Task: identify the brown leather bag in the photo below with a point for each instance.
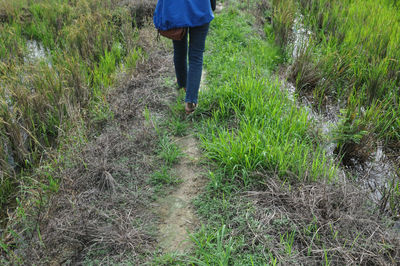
(174, 34)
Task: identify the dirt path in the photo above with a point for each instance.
(177, 213)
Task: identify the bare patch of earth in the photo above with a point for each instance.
(177, 213)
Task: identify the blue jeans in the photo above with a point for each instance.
(190, 79)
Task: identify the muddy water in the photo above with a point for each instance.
(377, 173)
(36, 51)
(374, 175)
(301, 36)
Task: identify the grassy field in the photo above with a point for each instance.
(351, 60)
(253, 124)
(274, 196)
(348, 68)
(57, 60)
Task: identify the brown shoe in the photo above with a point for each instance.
(190, 107)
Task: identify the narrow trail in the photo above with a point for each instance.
(178, 218)
(176, 211)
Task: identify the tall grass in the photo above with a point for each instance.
(253, 124)
(85, 43)
(354, 53)
(249, 126)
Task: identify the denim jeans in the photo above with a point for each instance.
(190, 78)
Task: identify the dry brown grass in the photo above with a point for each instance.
(141, 10)
(104, 200)
(328, 220)
(41, 101)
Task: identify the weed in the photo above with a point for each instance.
(358, 128)
(212, 248)
(178, 127)
(168, 151)
(283, 19)
(163, 177)
(133, 57)
(287, 241)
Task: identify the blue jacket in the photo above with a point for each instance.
(170, 14)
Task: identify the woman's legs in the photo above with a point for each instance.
(190, 79)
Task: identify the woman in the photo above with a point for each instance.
(195, 15)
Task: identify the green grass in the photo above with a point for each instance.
(168, 151)
(213, 248)
(86, 43)
(247, 124)
(253, 125)
(178, 124)
(354, 53)
(164, 177)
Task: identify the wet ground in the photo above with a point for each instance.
(379, 170)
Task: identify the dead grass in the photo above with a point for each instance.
(141, 10)
(331, 224)
(102, 211)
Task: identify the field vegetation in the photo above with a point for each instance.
(57, 59)
(350, 60)
(82, 164)
(348, 67)
(275, 196)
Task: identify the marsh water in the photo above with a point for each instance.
(377, 173)
(35, 52)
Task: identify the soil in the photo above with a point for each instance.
(177, 213)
